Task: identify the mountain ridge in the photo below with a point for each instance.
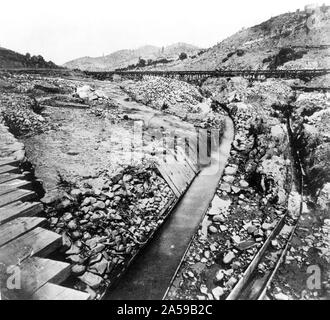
(125, 57)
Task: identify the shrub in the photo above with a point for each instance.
(183, 56)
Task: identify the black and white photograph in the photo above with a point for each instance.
(175, 151)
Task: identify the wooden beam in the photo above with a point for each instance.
(16, 195)
(5, 177)
(9, 169)
(19, 209)
(15, 184)
(55, 292)
(18, 227)
(34, 274)
(38, 241)
(9, 161)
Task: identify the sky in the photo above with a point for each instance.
(63, 30)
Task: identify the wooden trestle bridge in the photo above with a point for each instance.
(304, 74)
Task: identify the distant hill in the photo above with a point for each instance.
(11, 59)
(124, 58)
(299, 39)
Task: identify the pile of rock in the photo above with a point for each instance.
(237, 89)
(162, 93)
(18, 114)
(175, 97)
(103, 229)
(226, 90)
(308, 103)
(36, 84)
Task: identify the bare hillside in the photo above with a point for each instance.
(125, 58)
(290, 40)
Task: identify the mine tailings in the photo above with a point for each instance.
(153, 270)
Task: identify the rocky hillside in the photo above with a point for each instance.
(124, 58)
(11, 59)
(291, 40)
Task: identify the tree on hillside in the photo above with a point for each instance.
(183, 56)
(141, 63)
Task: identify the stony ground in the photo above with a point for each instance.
(79, 130)
(106, 207)
(103, 193)
(250, 199)
(104, 228)
(240, 219)
(175, 97)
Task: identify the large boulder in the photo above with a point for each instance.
(88, 93)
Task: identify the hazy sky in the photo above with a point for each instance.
(62, 30)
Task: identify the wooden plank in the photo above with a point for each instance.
(61, 104)
(16, 195)
(192, 153)
(189, 162)
(175, 172)
(253, 264)
(190, 171)
(203, 158)
(178, 170)
(163, 171)
(9, 161)
(6, 190)
(35, 273)
(178, 179)
(193, 161)
(55, 292)
(15, 184)
(187, 172)
(19, 209)
(16, 228)
(11, 146)
(38, 241)
(9, 169)
(5, 177)
(185, 167)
